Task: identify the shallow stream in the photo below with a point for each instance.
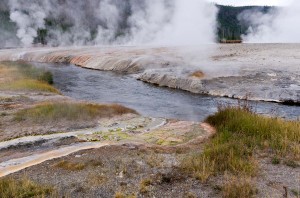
(148, 100)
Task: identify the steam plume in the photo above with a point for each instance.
(279, 25)
(98, 22)
(29, 17)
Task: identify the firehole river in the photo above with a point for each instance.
(148, 100)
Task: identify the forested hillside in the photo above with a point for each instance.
(230, 27)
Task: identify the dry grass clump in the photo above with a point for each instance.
(66, 165)
(197, 74)
(238, 188)
(52, 112)
(144, 185)
(97, 179)
(154, 160)
(119, 195)
(24, 188)
(201, 166)
(122, 195)
(20, 76)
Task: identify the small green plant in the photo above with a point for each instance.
(3, 114)
(47, 77)
(275, 160)
(296, 192)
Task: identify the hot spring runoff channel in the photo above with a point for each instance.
(148, 100)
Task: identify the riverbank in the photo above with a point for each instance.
(267, 72)
(38, 124)
(52, 145)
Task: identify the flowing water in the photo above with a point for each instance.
(148, 100)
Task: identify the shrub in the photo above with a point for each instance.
(47, 77)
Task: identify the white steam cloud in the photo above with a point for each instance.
(29, 17)
(98, 22)
(280, 25)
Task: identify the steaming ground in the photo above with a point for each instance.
(278, 25)
(268, 72)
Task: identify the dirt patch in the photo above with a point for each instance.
(110, 170)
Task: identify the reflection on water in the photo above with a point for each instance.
(149, 100)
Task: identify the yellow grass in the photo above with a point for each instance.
(19, 76)
(28, 85)
(235, 187)
(10, 188)
(144, 185)
(70, 166)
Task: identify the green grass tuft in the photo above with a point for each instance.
(29, 85)
(26, 70)
(240, 134)
(20, 76)
(52, 112)
(255, 131)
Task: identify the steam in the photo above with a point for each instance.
(29, 17)
(279, 25)
(103, 22)
(192, 22)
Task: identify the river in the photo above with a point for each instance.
(148, 100)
